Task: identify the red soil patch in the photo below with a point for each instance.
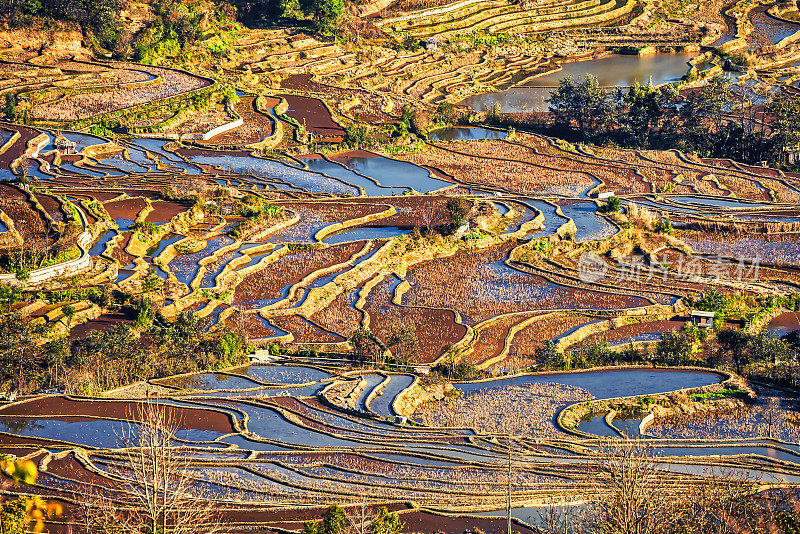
(29, 222)
(313, 115)
(188, 418)
(103, 323)
(69, 467)
(305, 331)
(256, 125)
(189, 152)
(269, 282)
(623, 333)
(51, 206)
(119, 254)
(165, 210)
(434, 328)
(478, 285)
(339, 316)
(491, 340)
(527, 340)
(428, 522)
(125, 209)
(368, 110)
(785, 322)
(16, 150)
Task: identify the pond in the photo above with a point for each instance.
(372, 382)
(156, 147)
(466, 133)
(280, 174)
(767, 30)
(364, 233)
(610, 384)
(90, 433)
(393, 173)
(590, 226)
(611, 71)
(382, 405)
(337, 170)
(100, 247)
(597, 426)
(285, 374)
(269, 424)
(211, 381)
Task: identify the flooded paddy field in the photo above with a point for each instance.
(419, 311)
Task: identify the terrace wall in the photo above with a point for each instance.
(67, 268)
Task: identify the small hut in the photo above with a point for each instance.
(64, 145)
(703, 319)
(432, 43)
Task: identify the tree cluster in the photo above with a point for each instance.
(30, 358)
(632, 492)
(323, 14)
(711, 121)
(399, 348)
(360, 520)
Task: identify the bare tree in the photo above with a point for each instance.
(628, 494)
(770, 412)
(359, 517)
(636, 493)
(160, 495)
(168, 495)
(427, 213)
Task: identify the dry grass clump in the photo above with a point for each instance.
(642, 217)
(82, 105)
(514, 176)
(526, 410)
(772, 415)
(737, 227)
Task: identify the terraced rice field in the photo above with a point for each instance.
(274, 230)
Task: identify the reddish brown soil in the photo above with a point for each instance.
(26, 134)
(256, 125)
(336, 210)
(97, 194)
(69, 467)
(29, 223)
(24, 443)
(313, 115)
(479, 286)
(102, 324)
(527, 340)
(624, 332)
(416, 211)
(339, 316)
(305, 332)
(119, 253)
(434, 328)
(268, 283)
(491, 339)
(428, 522)
(147, 193)
(51, 206)
(188, 152)
(125, 209)
(61, 407)
(369, 110)
(164, 210)
(786, 322)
